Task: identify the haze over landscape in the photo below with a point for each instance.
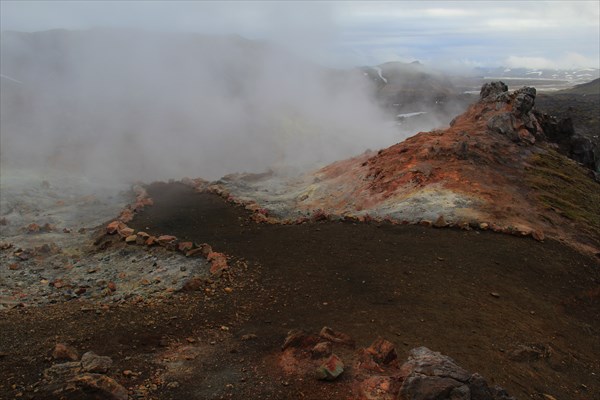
(249, 86)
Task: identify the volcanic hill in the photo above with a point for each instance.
(492, 168)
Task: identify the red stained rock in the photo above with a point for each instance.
(383, 351)
(185, 246)
(218, 262)
(131, 239)
(336, 337)
(65, 352)
(102, 386)
(163, 240)
(331, 369)
(538, 235)
(322, 349)
(33, 228)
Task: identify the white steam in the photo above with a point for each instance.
(139, 105)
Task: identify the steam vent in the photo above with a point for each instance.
(492, 168)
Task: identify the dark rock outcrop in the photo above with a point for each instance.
(515, 119)
(489, 91)
(431, 375)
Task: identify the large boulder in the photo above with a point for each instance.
(489, 91)
(430, 375)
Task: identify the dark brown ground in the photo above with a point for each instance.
(414, 286)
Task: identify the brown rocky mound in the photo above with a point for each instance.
(492, 168)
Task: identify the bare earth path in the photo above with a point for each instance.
(414, 286)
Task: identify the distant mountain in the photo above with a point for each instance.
(592, 87)
(547, 79)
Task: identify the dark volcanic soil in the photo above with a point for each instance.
(411, 285)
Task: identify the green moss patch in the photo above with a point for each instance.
(563, 186)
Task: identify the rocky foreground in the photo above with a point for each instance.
(217, 290)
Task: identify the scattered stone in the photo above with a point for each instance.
(331, 369)
(531, 352)
(336, 337)
(383, 351)
(548, 396)
(538, 235)
(440, 222)
(125, 231)
(205, 249)
(185, 246)
(131, 239)
(33, 228)
(64, 352)
(91, 362)
(249, 336)
(111, 286)
(128, 373)
(193, 284)
(431, 375)
(5, 245)
(484, 226)
(194, 252)
(218, 263)
(163, 240)
(494, 294)
(426, 223)
(321, 350)
(173, 385)
(114, 227)
(295, 338)
(102, 386)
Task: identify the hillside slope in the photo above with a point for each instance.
(491, 169)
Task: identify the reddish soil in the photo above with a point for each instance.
(414, 286)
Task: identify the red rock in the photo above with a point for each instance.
(101, 386)
(206, 249)
(124, 231)
(126, 215)
(194, 252)
(294, 338)
(440, 222)
(151, 241)
(336, 337)
(185, 246)
(218, 263)
(322, 349)
(64, 352)
(365, 361)
(425, 223)
(141, 237)
(163, 240)
(131, 239)
(33, 228)
(331, 369)
(112, 286)
(383, 351)
(538, 235)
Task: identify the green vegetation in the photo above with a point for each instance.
(562, 185)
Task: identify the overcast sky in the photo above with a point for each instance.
(534, 34)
